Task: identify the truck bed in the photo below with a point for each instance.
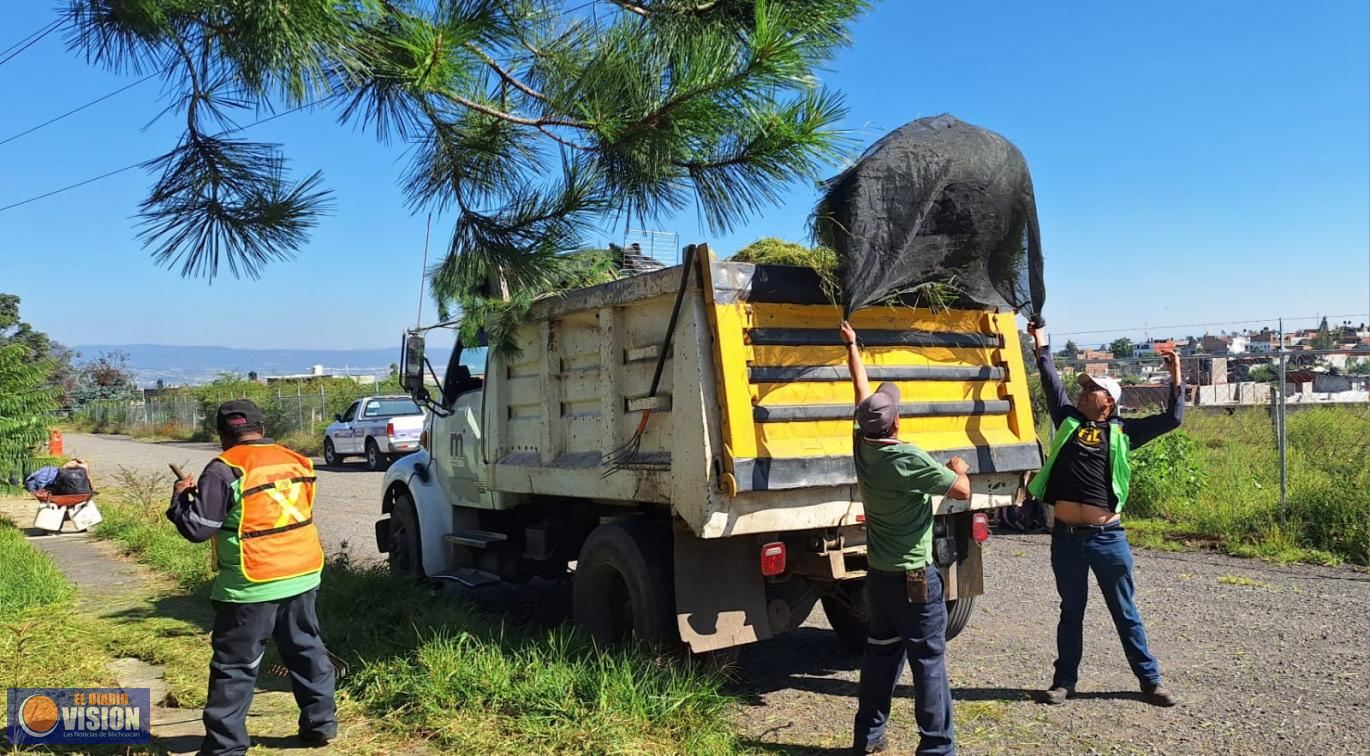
(751, 428)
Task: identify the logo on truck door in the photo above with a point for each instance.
(455, 444)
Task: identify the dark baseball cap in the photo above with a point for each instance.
(239, 415)
(877, 414)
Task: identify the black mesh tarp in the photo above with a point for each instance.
(938, 201)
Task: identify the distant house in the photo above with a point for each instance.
(317, 372)
(1152, 347)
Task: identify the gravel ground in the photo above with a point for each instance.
(347, 499)
(1265, 658)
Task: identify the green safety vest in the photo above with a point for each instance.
(1119, 466)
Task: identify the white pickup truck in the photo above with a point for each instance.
(380, 427)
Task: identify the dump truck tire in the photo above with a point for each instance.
(406, 548)
(958, 615)
(623, 586)
(849, 620)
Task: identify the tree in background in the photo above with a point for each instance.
(1358, 367)
(27, 397)
(40, 348)
(1324, 338)
(532, 121)
(1264, 374)
(1071, 351)
(107, 377)
(1122, 348)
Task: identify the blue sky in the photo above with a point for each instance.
(1193, 162)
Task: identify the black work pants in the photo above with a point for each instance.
(239, 641)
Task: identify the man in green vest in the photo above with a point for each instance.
(1086, 478)
(255, 503)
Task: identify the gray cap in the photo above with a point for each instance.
(877, 414)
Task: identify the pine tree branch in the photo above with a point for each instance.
(563, 141)
(511, 118)
(643, 11)
(631, 7)
(503, 74)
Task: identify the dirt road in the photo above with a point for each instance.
(1266, 659)
(347, 497)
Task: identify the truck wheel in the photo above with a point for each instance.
(623, 588)
(958, 615)
(330, 454)
(375, 461)
(406, 550)
(848, 615)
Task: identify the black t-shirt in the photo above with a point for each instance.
(1080, 473)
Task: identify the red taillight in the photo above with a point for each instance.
(772, 559)
(389, 429)
(861, 517)
(979, 527)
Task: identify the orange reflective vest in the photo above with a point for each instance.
(275, 535)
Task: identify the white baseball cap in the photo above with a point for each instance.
(1110, 385)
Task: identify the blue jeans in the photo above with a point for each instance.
(1106, 552)
(900, 629)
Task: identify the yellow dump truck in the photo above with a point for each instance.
(734, 509)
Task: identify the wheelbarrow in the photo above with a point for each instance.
(56, 509)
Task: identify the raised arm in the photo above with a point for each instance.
(1057, 400)
(1144, 429)
(854, 364)
(199, 510)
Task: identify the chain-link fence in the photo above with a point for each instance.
(288, 409)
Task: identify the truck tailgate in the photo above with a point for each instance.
(787, 397)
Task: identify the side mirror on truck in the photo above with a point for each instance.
(411, 367)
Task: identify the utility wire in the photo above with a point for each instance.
(29, 41)
(117, 171)
(76, 110)
(42, 29)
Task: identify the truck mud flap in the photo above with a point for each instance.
(383, 535)
(720, 596)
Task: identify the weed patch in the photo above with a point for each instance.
(1215, 483)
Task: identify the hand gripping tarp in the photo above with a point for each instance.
(938, 201)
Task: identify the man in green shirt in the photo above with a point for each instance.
(908, 617)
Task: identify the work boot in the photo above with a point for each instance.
(317, 739)
(876, 747)
(1157, 695)
(1056, 695)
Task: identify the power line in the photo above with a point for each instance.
(117, 171)
(1201, 325)
(29, 41)
(76, 110)
(42, 29)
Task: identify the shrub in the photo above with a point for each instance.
(1165, 469)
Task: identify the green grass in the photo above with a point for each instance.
(28, 578)
(1215, 483)
(434, 668)
(44, 642)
